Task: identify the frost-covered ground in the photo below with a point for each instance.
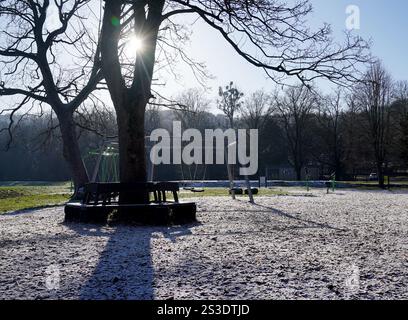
(350, 245)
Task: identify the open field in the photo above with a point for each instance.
(347, 245)
(25, 196)
(20, 195)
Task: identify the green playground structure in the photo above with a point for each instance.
(107, 163)
(331, 184)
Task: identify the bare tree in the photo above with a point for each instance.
(35, 73)
(400, 118)
(295, 108)
(400, 105)
(329, 115)
(152, 120)
(400, 92)
(278, 41)
(192, 109)
(256, 109)
(374, 98)
(230, 102)
(277, 38)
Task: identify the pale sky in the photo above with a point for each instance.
(383, 21)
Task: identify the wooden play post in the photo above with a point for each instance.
(230, 175)
(231, 178)
(334, 182)
(307, 180)
(248, 183)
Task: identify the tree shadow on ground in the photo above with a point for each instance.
(308, 223)
(305, 223)
(125, 267)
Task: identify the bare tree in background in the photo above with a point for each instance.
(153, 120)
(277, 39)
(374, 96)
(329, 119)
(295, 108)
(192, 109)
(256, 109)
(400, 92)
(401, 117)
(35, 73)
(230, 102)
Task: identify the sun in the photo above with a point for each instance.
(135, 44)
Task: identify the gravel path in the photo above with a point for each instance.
(348, 245)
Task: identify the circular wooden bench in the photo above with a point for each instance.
(101, 202)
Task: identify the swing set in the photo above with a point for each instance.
(193, 178)
(106, 168)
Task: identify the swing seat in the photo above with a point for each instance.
(237, 191)
(197, 190)
(255, 191)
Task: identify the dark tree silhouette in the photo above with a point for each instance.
(400, 116)
(34, 70)
(330, 133)
(374, 96)
(256, 109)
(278, 41)
(192, 109)
(295, 109)
(230, 102)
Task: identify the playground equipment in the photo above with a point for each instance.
(106, 167)
(106, 170)
(145, 202)
(231, 179)
(101, 202)
(307, 183)
(331, 184)
(193, 178)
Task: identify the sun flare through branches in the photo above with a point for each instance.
(134, 45)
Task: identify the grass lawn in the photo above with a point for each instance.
(13, 198)
(25, 195)
(22, 196)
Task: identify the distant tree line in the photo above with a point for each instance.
(350, 132)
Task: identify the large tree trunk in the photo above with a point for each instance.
(130, 102)
(132, 155)
(71, 151)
